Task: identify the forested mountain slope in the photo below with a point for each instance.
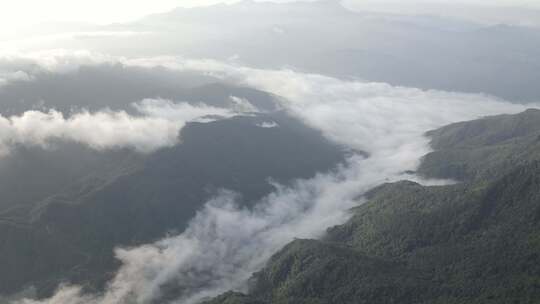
(70, 236)
(477, 241)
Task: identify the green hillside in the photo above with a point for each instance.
(477, 241)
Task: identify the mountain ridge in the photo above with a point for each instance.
(476, 241)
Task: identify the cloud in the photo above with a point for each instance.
(225, 244)
(369, 116)
(242, 105)
(7, 77)
(16, 66)
(268, 125)
(181, 112)
(158, 127)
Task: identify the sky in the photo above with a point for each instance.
(14, 14)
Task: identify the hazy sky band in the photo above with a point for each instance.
(17, 13)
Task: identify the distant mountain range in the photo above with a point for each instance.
(428, 52)
(423, 51)
(476, 241)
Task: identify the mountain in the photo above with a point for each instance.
(116, 87)
(426, 51)
(98, 88)
(406, 50)
(70, 206)
(475, 241)
(484, 148)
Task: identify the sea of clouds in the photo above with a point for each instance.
(225, 244)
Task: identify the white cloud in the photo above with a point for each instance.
(52, 61)
(366, 115)
(6, 77)
(268, 125)
(224, 244)
(242, 104)
(181, 112)
(158, 128)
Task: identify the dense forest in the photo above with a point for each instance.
(474, 241)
